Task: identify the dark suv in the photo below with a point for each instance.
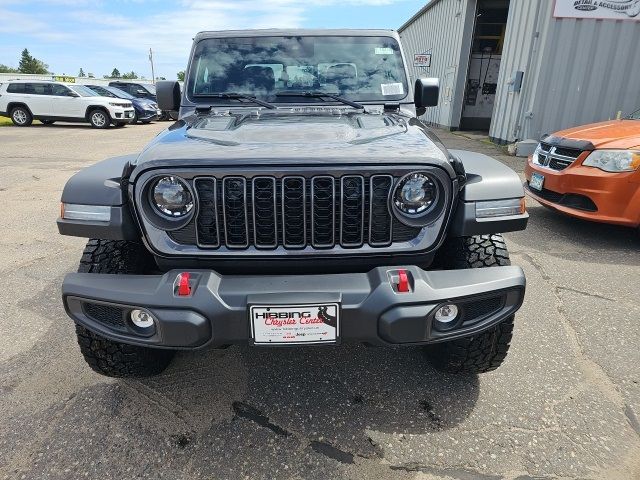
(299, 200)
(142, 90)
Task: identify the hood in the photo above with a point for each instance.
(621, 134)
(288, 137)
(142, 102)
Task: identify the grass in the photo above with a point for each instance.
(4, 121)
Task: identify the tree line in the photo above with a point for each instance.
(31, 65)
(27, 64)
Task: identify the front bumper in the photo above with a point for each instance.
(122, 114)
(149, 115)
(216, 311)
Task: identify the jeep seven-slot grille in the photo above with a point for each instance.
(294, 212)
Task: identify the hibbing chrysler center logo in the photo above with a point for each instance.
(612, 9)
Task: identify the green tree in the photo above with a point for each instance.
(181, 76)
(115, 73)
(7, 69)
(81, 73)
(30, 64)
(130, 76)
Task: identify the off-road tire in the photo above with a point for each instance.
(115, 359)
(21, 116)
(99, 118)
(485, 351)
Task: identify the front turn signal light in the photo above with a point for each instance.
(501, 208)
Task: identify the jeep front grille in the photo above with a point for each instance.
(293, 212)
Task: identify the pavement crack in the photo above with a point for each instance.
(536, 265)
(457, 473)
(433, 416)
(632, 419)
(588, 294)
(332, 452)
(248, 412)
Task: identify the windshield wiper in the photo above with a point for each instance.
(321, 95)
(236, 96)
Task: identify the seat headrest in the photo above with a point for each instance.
(257, 77)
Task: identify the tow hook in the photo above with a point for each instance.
(401, 280)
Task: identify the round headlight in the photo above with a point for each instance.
(172, 197)
(415, 194)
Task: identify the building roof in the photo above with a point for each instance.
(426, 8)
(346, 32)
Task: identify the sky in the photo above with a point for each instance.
(98, 35)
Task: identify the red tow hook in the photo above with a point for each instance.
(400, 280)
(184, 290)
(403, 282)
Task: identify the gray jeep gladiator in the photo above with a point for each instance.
(298, 200)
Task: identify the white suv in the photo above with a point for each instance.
(24, 101)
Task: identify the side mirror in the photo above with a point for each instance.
(168, 95)
(73, 94)
(426, 94)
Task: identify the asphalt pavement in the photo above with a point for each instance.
(565, 404)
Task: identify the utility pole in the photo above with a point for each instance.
(153, 75)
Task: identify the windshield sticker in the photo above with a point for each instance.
(384, 51)
(392, 89)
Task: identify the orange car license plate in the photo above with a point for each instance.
(537, 181)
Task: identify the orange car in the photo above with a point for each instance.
(590, 172)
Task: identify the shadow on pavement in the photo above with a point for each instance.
(332, 396)
(584, 235)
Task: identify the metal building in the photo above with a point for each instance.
(520, 69)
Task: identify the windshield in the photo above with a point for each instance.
(635, 116)
(362, 69)
(102, 91)
(83, 91)
(116, 92)
(150, 88)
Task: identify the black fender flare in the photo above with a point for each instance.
(486, 179)
(104, 183)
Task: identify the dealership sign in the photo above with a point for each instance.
(422, 60)
(605, 9)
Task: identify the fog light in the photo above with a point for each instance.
(446, 316)
(142, 319)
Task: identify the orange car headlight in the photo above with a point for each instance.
(613, 161)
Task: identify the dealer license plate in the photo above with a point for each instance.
(537, 181)
(295, 324)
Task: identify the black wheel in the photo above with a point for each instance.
(486, 351)
(21, 116)
(164, 116)
(47, 122)
(145, 122)
(99, 118)
(115, 359)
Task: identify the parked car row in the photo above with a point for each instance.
(48, 101)
(143, 90)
